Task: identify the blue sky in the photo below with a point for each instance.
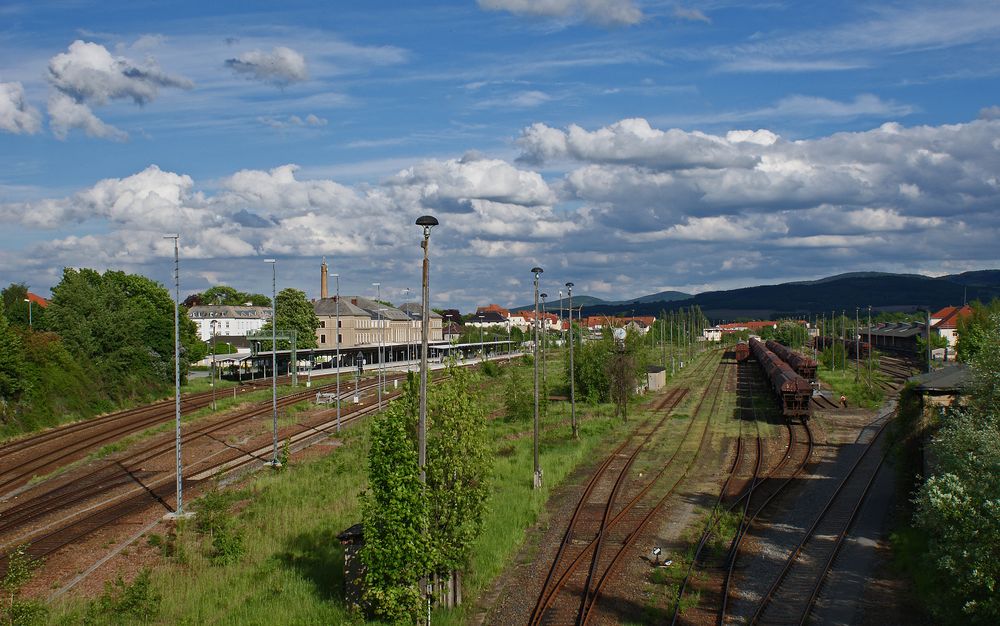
(627, 146)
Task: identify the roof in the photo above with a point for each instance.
(655, 369)
(488, 316)
(37, 299)
(949, 378)
(414, 309)
(328, 307)
(496, 308)
(948, 316)
(226, 311)
(897, 329)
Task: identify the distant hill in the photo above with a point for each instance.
(663, 296)
(843, 292)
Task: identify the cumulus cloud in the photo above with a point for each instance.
(451, 185)
(281, 66)
(16, 115)
(753, 207)
(631, 141)
(87, 74)
(601, 12)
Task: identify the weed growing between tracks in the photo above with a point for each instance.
(855, 387)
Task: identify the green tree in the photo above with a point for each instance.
(224, 294)
(458, 466)
(973, 331)
(11, 364)
(787, 333)
(16, 308)
(519, 396)
(294, 312)
(396, 553)
(124, 325)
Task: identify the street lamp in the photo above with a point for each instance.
(28, 300)
(336, 278)
(215, 329)
(426, 222)
(274, 358)
(572, 374)
(179, 511)
(537, 271)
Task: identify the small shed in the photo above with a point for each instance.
(939, 387)
(352, 539)
(656, 377)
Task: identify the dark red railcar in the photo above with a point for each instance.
(792, 391)
(742, 351)
(804, 366)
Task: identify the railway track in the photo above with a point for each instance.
(142, 488)
(575, 563)
(48, 450)
(629, 532)
(748, 455)
(792, 595)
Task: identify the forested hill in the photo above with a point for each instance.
(884, 292)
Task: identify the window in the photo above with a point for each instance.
(322, 338)
(322, 323)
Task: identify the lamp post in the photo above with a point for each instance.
(537, 271)
(378, 317)
(274, 358)
(426, 222)
(215, 330)
(179, 511)
(572, 374)
(28, 300)
(336, 278)
(482, 350)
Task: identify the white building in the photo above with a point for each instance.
(232, 321)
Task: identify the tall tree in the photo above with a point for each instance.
(295, 312)
(11, 363)
(16, 309)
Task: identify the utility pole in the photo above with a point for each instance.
(378, 317)
(179, 511)
(274, 358)
(572, 371)
(336, 278)
(537, 271)
(426, 222)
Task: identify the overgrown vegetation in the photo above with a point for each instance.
(105, 341)
(17, 611)
(412, 530)
(958, 506)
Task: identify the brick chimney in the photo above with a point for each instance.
(323, 279)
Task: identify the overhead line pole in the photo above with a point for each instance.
(179, 510)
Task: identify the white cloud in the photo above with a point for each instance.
(632, 141)
(87, 74)
(65, 114)
(16, 115)
(690, 14)
(281, 66)
(602, 12)
(890, 198)
(310, 120)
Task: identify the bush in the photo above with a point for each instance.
(123, 603)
